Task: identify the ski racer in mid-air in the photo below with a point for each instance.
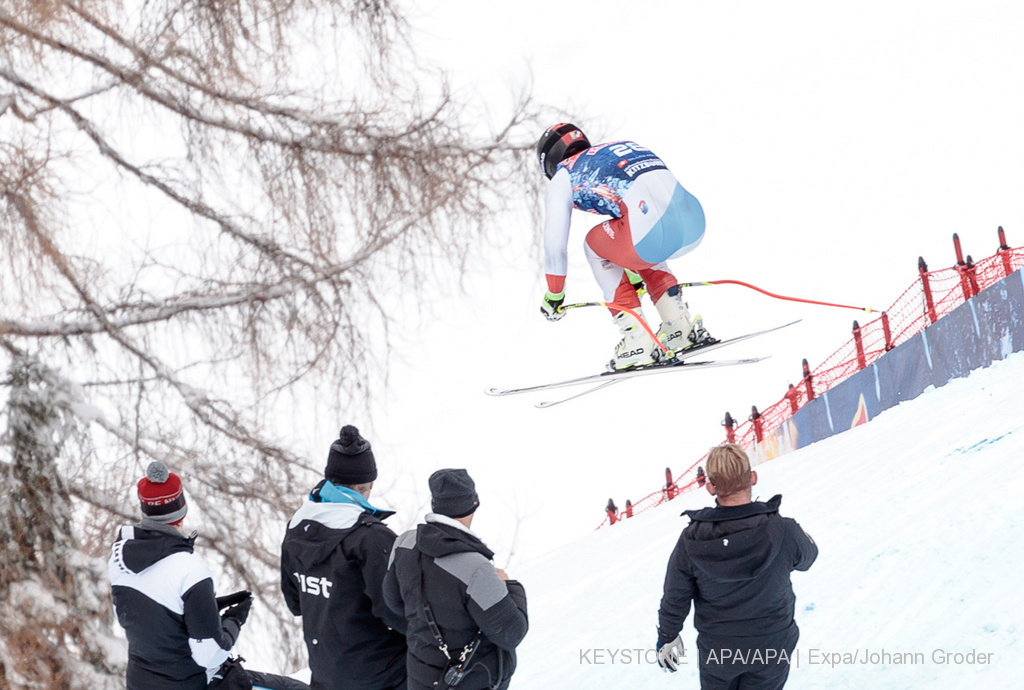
(653, 219)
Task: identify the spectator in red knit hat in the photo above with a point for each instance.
(164, 597)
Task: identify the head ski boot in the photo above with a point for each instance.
(637, 348)
(678, 331)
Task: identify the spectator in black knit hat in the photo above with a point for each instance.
(333, 560)
(164, 598)
(480, 613)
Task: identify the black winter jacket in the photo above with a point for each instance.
(734, 564)
(333, 561)
(466, 596)
(164, 598)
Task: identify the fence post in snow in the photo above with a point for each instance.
(807, 381)
(972, 276)
(791, 396)
(929, 303)
(629, 508)
(730, 428)
(965, 269)
(886, 331)
(858, 341)
(670, 486)
(755, 417)
(1004, 252)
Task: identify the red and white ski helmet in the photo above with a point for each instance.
(559, 142)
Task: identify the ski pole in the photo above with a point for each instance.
(772, 294)
(619, 307)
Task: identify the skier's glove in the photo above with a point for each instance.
(551, 307)
(670, 655)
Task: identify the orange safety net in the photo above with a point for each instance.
(932, 296)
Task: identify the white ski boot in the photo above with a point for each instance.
(678, 331)
(637, 348)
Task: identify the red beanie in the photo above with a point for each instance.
(161, 495)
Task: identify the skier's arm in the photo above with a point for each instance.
(376, 546)
(498, 607)
(678, 593)
(209, 639)
(557, 219)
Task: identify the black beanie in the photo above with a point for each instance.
(350, 460)
(453, 493)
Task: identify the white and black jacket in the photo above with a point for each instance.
(466, 596)
(164, 598)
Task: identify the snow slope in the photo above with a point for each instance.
(919, 520)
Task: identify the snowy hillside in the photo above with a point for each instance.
(920, 523)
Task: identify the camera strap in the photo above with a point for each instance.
(468, 650)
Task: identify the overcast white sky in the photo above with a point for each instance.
(830, 144)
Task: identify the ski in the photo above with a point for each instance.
(680, 360)
(551, 403)
(622, 376)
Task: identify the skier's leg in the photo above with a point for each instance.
(658, 279)
(672, 224)
(615, 286)
(678, 330)
(609, 249)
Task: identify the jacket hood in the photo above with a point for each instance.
(735, 543)
(317, 528)
(436, 539)
(141, 546)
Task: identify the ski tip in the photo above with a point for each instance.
(544, 405)
(496, 391)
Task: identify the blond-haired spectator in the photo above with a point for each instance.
(733, 561)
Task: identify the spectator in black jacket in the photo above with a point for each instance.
(733, 562)
(333, 560)
(478, 614)
(164, 598)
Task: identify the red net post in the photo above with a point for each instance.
(971, 272)
(670, 486)
(807, 381)
(755, 417)
(629, 508)
(929, 301)
(858, 342)
(792, 396)
(886, 331)
(730, 428)
(613, 512)
(1004, 253)
(967, 285)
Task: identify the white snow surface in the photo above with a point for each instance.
(918, 517)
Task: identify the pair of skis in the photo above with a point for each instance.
(679, 363)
